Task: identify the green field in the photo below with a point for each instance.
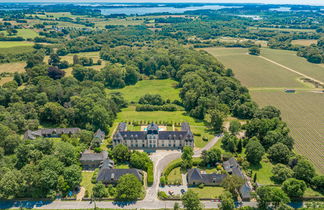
(86, 181)
(251, 70)
(282, 29)
(303, 111)
(165, 88)
(8, 44)
(26, 33)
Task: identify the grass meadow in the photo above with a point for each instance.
(304, 42)
(166, 88)
(26, 33)
(282, 29)
(303, 111)
(9, 44)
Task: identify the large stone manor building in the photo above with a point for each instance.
(153, 138)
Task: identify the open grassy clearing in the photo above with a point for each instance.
(304, 42)
(4, 80)
(175, 176)
(9, 44)
(251, 70)
(208, 192)
(282, 29)
(263, 171)
(304, 114)
(26, 33)
(291, 60)
(116, 21)
(86, 181)
(12, 67)
(166, 88)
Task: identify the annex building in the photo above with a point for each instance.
(153, 138)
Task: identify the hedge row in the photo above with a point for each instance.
(150, 175)
(150, 108)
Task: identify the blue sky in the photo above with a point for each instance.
(311, 2)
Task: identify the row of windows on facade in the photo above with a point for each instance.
(139, 141)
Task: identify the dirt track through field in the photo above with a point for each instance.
(292, 70)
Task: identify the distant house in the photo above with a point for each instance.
(108, 175)
(195, 177)
(50, 132)
(232, 167)
(91, 161)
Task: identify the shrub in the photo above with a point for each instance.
(162, 181)
(150, 175)
(205, 138)
(197, 134)
(201, 185)
(171, 167)
(162, 195)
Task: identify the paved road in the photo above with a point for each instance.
(208, 146)
(104, 204)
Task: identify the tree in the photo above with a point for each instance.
(235, 126)
(227, 202)
(268, 195)
(318, 183)
(18, 78)
(140, 160)
(75, 59)
(294, 188)
(255, 178)
(55, 73)
(176, 206)
(211, 157)
(216, 120)
(281, 173)
(152, 99)
(268, 112)
(86, 137)
(254, 151)
(254, 50)
(129, 188)
(54, 60)
(10, 143)
(120, 153)
(11, 183)
(232, 184)
(304, 170)
(72, 176)
(99, 190)
(131, 75)
(186, 157)
(190, 201)
(279, 153)
(239, 146)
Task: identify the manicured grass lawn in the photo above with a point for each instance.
(263, 172)
(208, 192)
(204, 131)
(175, 176)
(166, 88)
(310, 192)
(8, 44)
(122, 166)
(129, 114)
(86, 181)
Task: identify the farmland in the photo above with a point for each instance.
(4, 44)
(26, 33)
(303, 111)
(304, 42)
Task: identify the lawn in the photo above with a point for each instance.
(166, 88)
(208, 192)
(86, 181)
(9, 44)
(254, 71)
(263, 171)
(175, 176)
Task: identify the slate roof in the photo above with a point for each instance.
(230, 164)
(50, 131)
(88, 156)
(152, 126)
(245, 191)
(131, 135)
(107, 175)
(121, 126)
(99, 134)
(196, 175)
(175, 135)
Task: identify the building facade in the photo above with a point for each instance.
(153, 137)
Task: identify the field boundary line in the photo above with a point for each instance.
(292, 70)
